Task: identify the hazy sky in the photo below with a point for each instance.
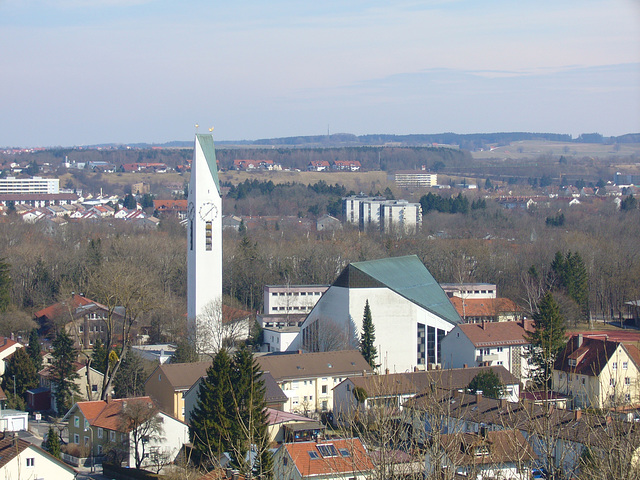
(75, 72)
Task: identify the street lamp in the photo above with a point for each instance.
(90, 430)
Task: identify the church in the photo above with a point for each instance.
(204, 248)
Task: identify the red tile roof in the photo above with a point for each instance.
(589, 356)
(55, 310)
(107, 414)
(484, 307)
(8, 343)
(357, 460)
(494, 333)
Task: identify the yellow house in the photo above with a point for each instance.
(170, 381)
(598, 373)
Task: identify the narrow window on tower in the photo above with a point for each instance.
(191, 234)
(208, 235)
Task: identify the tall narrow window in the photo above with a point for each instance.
(208, 236)
(191, 234)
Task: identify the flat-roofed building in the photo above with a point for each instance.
(291, 299)
(416, 178)
(39, 185)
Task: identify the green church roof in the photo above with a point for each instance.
(206, 143)
(406, 276)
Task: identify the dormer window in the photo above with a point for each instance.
(572, 362)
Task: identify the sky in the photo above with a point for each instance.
(84, 72)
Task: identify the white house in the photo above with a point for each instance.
(307, 379)
(20, 459)
(489, 344)
(279, 339)
(411, 313)
(6, 350)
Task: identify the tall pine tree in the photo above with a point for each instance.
(546, 340)
(63, 372)
(367, 342)
(211, 419)
(20, 374)
(33, 349)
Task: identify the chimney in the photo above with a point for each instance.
(464, 365)
(503, 403)
(577, 414)
(299, 352)
(580, 340)
(108, 398)
(415, 369)
(483, 324)
(386, 371)
(478, 396)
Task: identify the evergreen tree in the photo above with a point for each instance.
(63, 372)
(577, 282)
(129, 202)
(211, 419)
(546, 340)
(99, 356)
(5, 285)
(52, 443)
(129, 380)
(185, 352)
(33, 349)
(249, 427)
(20, 374)
(367, 343)
(488, 382)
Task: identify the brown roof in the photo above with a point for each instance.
(12, 447)
(305, 365)
(183, 375)
(501, 447)
(415, 382)
(588, 356)
(483, 307)
(357, 459)
(8, 343)
(495, 333)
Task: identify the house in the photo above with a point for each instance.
(177, 208)
(478, 310)
(318, 166)
(307, 379)
(558, 436)
(291, 427)
(351, 165)
(106, 426)
(84, 320)
(489, 344)
(328, 223)
(21, 459)
(470, 290)
(279, 339)
(391, 391)
(7, 348)
(483, 455)
(89, 387)
(344, 458)
(169, 382)
(598, 373)
(274, 397)
(410, 311)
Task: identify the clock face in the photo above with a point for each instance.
(208, 211)
(191, 211)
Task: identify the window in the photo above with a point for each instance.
(76, 422)
(99, 449)
(612, 382)
(324, 389)
(499, 349)
(100, 432)
(487, 351)
(94, 388)
(112, 436)
(625, 365)
(583, 380)
(499, 362)
(86, 424)
(313, 455)
(208, 234)
(31, 462)
(86, 441)
(627, 381)
(627, 397)
(76, 438)
(81, 328)
(614, 365)
(344, 452)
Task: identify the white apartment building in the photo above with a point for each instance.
(291, 299)
(470, 290)
(34, 185)
(279, 339)
(386, 215)
(416, 178)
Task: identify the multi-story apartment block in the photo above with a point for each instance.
(291, 299)
(379, 213)
(416, 178)
(470, 290)
(34, 185)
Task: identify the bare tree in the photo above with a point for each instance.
(140, 418)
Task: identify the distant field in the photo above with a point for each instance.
(534, 148)
(356, 181)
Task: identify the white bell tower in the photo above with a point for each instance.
(204, 247)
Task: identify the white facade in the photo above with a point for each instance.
(279, 339)
(33, 463)
(417, 178)
(38, 185)
(379, 213)
(167, 444)
(470, 290)
(458, 351)
(279, 299)
(395, 318)
(204, 237)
